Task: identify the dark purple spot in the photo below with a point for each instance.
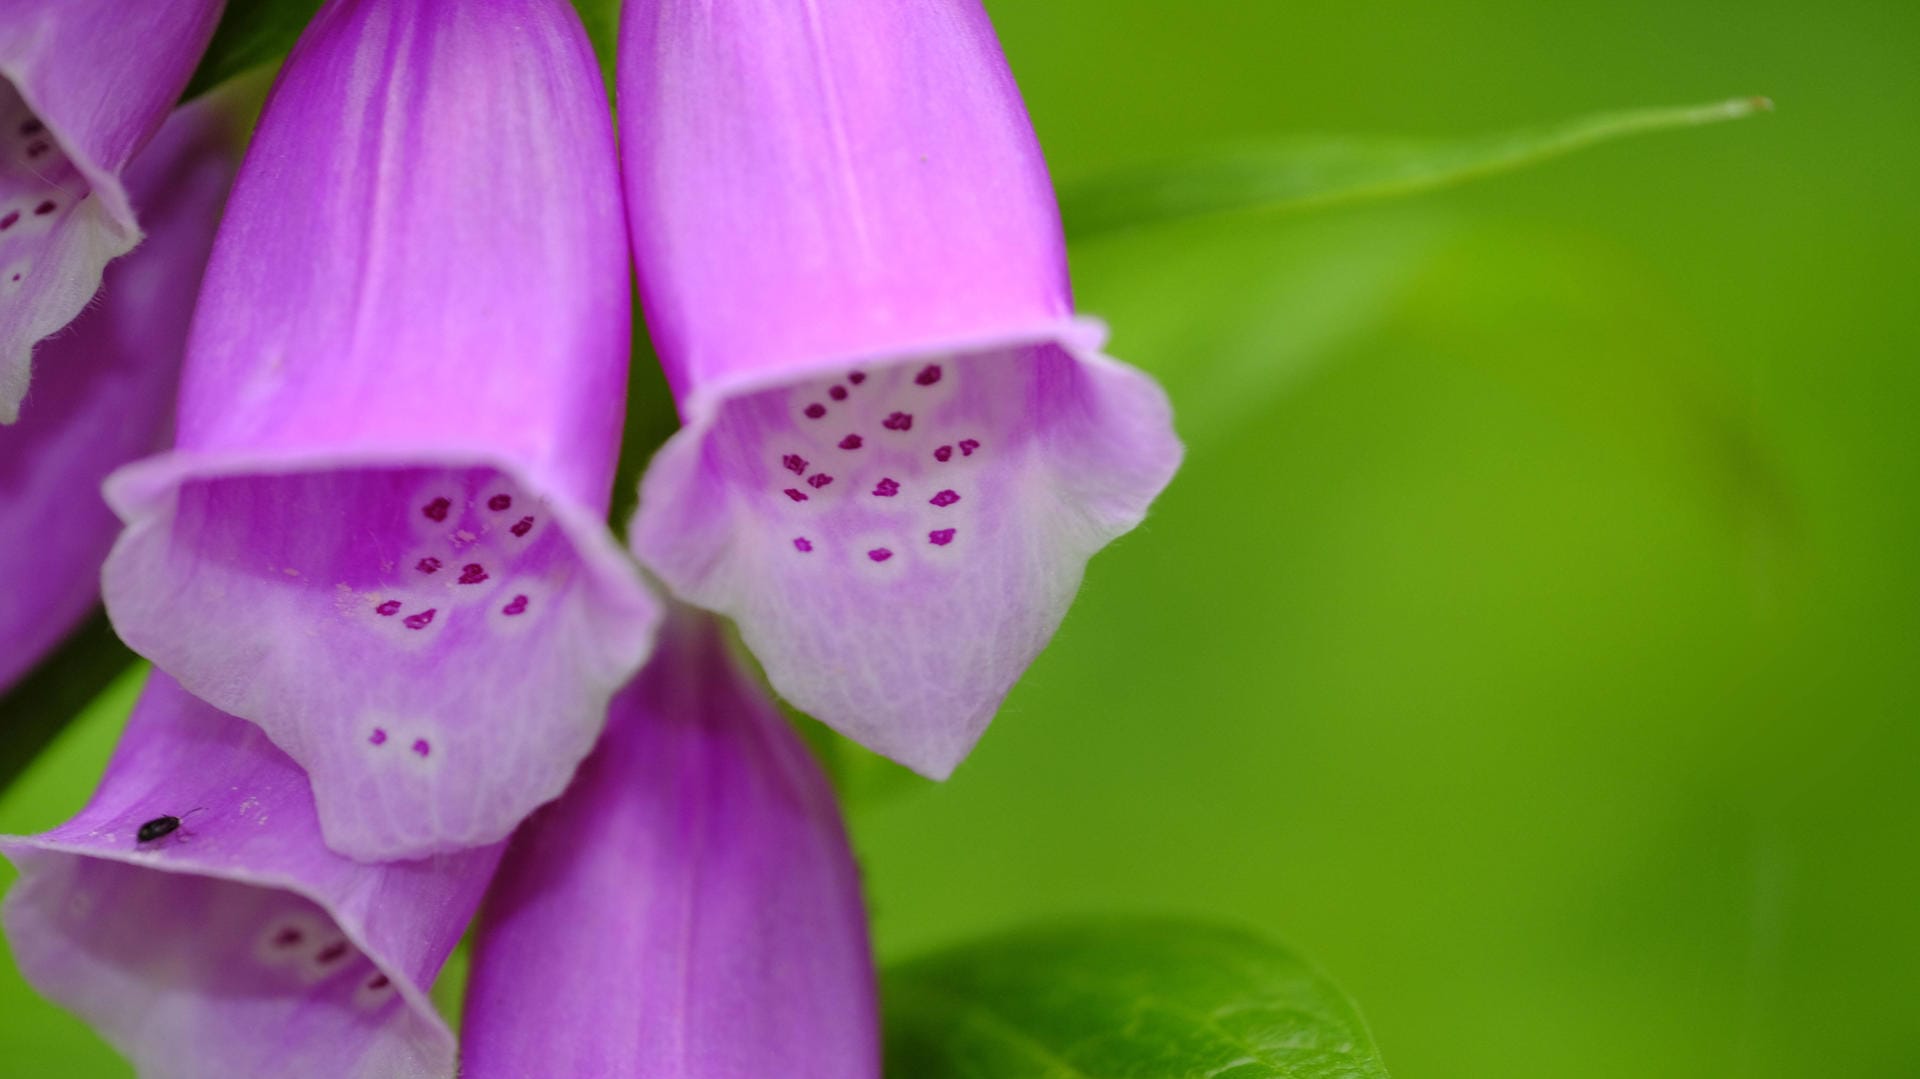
(819, 480)
(472, 573)
(421, 747)
(7, 222)
(16, 277)
(332, 952)
(518, 606)
(32, 126)
(928, 375)
(499, 502)
(288, 937)
(436, 510)
(887, 487)
(795, 464)
(45, 208)
(428, 564)
(379, 736)
(802, 544)
(940, 537)
(945, 498)
(944, 453)
(815, 411)
(838, 393)
(879, 554)
(389, 608)
(521, 527)
(851, 442)
(898, 421)
(856, 377)
(796, 494)
(39, 148)
(419, 621)
(967, 446)
(379, 982)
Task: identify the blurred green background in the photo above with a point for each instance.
(1531, 637)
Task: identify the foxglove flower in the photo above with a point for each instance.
(105, 395)
(688, 908)
(233, 943)
(83, 85)
(900, 446)
(382, 533)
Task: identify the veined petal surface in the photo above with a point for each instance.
(688, 908)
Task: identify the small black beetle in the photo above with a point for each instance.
(161, 827)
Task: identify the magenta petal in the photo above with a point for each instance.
(238, 943)
(83, 85)
(688, 908)
(866, 268)
(104, 396)
(410, 350)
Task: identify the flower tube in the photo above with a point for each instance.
(83, 85)
(105, 395)
(688, 908)
(192, 914)
(382, 533)
(900, 446)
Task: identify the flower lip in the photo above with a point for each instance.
(415, 796)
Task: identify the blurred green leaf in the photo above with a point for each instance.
(1302, 171)
(38, 708)
(254, 32)
(602, 18)
(1137, 999)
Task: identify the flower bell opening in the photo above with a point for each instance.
(899, 540)
(39, 188)
(192, 914)
(430, 643)
(137, 949)
(54, 237)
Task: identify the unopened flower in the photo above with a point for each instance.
(83, 85)
(688, 908)
(901, 447)
(193, 916)
(381, 535)
(104, 395)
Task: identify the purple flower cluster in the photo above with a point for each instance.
(402, 663)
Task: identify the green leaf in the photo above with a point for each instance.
(39, 707)
(1122, 999)
(1303, 171)
(602, 18)
(252, 32)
